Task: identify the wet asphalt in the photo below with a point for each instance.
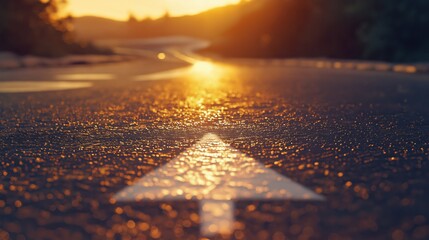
(358, 138)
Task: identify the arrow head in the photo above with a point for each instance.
(215, 174)
(213, 170)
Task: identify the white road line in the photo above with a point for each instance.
(40, 86)
(86, 76)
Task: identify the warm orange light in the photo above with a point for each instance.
(161, 56)
(203, 68)
(120, 10)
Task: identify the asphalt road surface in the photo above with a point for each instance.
(71, 138)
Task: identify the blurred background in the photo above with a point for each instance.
(387, 30)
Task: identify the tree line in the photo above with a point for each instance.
(35, 27)
(388, 30)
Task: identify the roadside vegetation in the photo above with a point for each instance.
(388, 30)
(34, 27)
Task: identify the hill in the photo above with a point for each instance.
(208, 25)
(90, 27)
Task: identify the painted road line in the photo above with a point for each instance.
(86, 76)
(42, 86)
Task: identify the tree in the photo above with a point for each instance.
(132, 19)
(166, 15)
(395, 30)
(388, 30)
(34, 27)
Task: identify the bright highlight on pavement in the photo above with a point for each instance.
(200, 71)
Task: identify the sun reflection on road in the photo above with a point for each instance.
(207, 86)
(203, 68)
(208, 74)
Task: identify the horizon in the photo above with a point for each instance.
(141, 9)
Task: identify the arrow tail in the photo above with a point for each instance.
(216, 217)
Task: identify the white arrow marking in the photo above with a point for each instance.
(215, 174)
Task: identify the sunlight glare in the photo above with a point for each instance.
(120, 10)
(207, 74)
(203, 68)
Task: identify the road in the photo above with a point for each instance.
(360, 139)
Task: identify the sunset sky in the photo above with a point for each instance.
(120, 10)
